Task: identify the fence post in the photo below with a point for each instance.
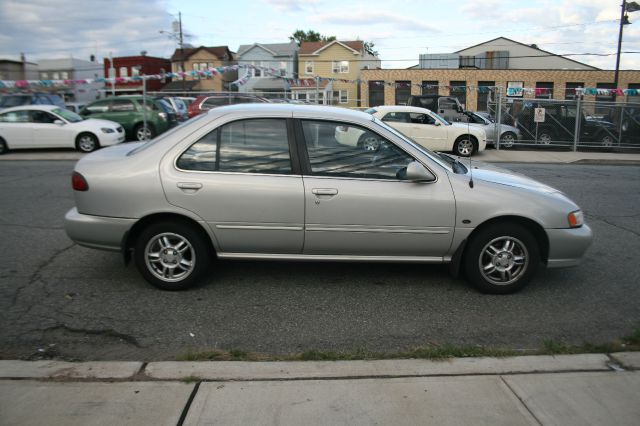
(498, 123)
(576, 134)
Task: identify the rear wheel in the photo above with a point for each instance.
(607, 140)
(87, 142)
(545, 137)
(172, 256)
(508, 139)
(464, 146)
(369, 142)
(3, 147)
(501, 258)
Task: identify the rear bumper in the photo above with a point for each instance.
(568, 246)
(99, 232)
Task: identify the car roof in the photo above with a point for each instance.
(31, 107)
(401, 108)
(296, 110)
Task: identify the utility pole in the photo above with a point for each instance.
(181, 49)
(623, 21)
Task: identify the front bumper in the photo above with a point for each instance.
(99, 232)
(568, 246)
(108, 139)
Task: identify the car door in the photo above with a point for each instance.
(357, 202)
(50, 131)
(429, 132)
(16, 129)
(241, 180)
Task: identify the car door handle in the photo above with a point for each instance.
(324, 191)
(189, 186)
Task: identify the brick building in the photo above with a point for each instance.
(132, 66)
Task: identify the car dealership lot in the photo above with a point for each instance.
(61, 299)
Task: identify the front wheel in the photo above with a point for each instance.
(501, 258)
(464, 146)
(508, 139)
(3, 147)
(143, 133)
(87, 142)
(607, 141)
(545, 137)
(171, 256)
(369, 142)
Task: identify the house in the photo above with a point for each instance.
(283, 57)
(133, 66)
(328, 72)
(469, 73)
(18, 69)
(201, 59)
(73, 69)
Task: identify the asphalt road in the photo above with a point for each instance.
(60, 299)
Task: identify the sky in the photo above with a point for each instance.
(399, 29)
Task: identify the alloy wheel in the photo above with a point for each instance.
(503, 260)
(170, 257)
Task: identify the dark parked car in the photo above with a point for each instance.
(9, 101)
(206, 102)
(129, 112)
(559, 125)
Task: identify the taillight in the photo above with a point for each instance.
(78, 182)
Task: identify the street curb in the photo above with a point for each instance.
(305, 370)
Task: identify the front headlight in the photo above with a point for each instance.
(107, 130)
(576, 219)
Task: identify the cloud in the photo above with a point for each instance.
(359, 17)
(47, 29)
(292, 6)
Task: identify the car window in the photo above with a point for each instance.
(345, 150)
(14, 100)
(422, 118)
(245, 146)
(15, 117)
(42, 117)
(100, 106)
(215, 102)
(70, 116)
(122, 105)
(399, 117)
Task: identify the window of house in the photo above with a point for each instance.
(635, 86)
(376, 93)
(430, 87)
(340, 67)
(282, 67)
(403, 91)
(339, 97)
(347, 159)
(245, 146)
(64, 75)
(308, 67)
(570, 90)
(544, 90)
(458, 89)
(135, 72)
(484, 94)
(124, 72)
(55, 76)
(44, 76)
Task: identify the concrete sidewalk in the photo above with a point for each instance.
(489, 155)
(591, 389)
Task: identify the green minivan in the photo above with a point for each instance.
(129, 112)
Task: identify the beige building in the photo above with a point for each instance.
(338, 64)
(200, 59)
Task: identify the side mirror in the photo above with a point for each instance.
(416, 172)
(59, 122)
(437, 123)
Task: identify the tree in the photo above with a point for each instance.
(299, 36)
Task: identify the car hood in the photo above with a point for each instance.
(490, 173)
(100, 123)
(469, 126)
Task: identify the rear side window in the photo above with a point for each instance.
(215, 102)
(122, 105)
(397, 117)
(15, 117)
(245, 146)
(100, 106)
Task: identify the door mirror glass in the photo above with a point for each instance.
(416, 172)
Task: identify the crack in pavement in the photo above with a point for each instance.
(106, 332)
(605, 220)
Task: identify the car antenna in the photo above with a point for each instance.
(470, 154)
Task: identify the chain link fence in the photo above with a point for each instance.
(570, 124)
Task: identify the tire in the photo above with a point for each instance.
(545, 137)
(3, 147)
(607, 140)
(87, 142)
(501, 258)
(464, 146)
(141, 135)
(172, 256)
(369, 142)
(508, 140)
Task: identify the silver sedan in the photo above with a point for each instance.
(270, 181)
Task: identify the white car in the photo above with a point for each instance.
(424, 127)
(49, 126)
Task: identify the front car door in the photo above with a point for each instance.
(358, 203)
(49, 134)
(239, 177)
(429, 132)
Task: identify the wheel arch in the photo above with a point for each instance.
(531, 225)
(86, 132)
(129, 239)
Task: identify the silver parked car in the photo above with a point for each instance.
(509, 135)
(270, 181)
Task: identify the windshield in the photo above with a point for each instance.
(442, 159)
(70, 116)
(442, 120)
(14, 100)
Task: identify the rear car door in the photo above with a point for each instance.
(16, 129)
(240, 178)
(357, 202)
